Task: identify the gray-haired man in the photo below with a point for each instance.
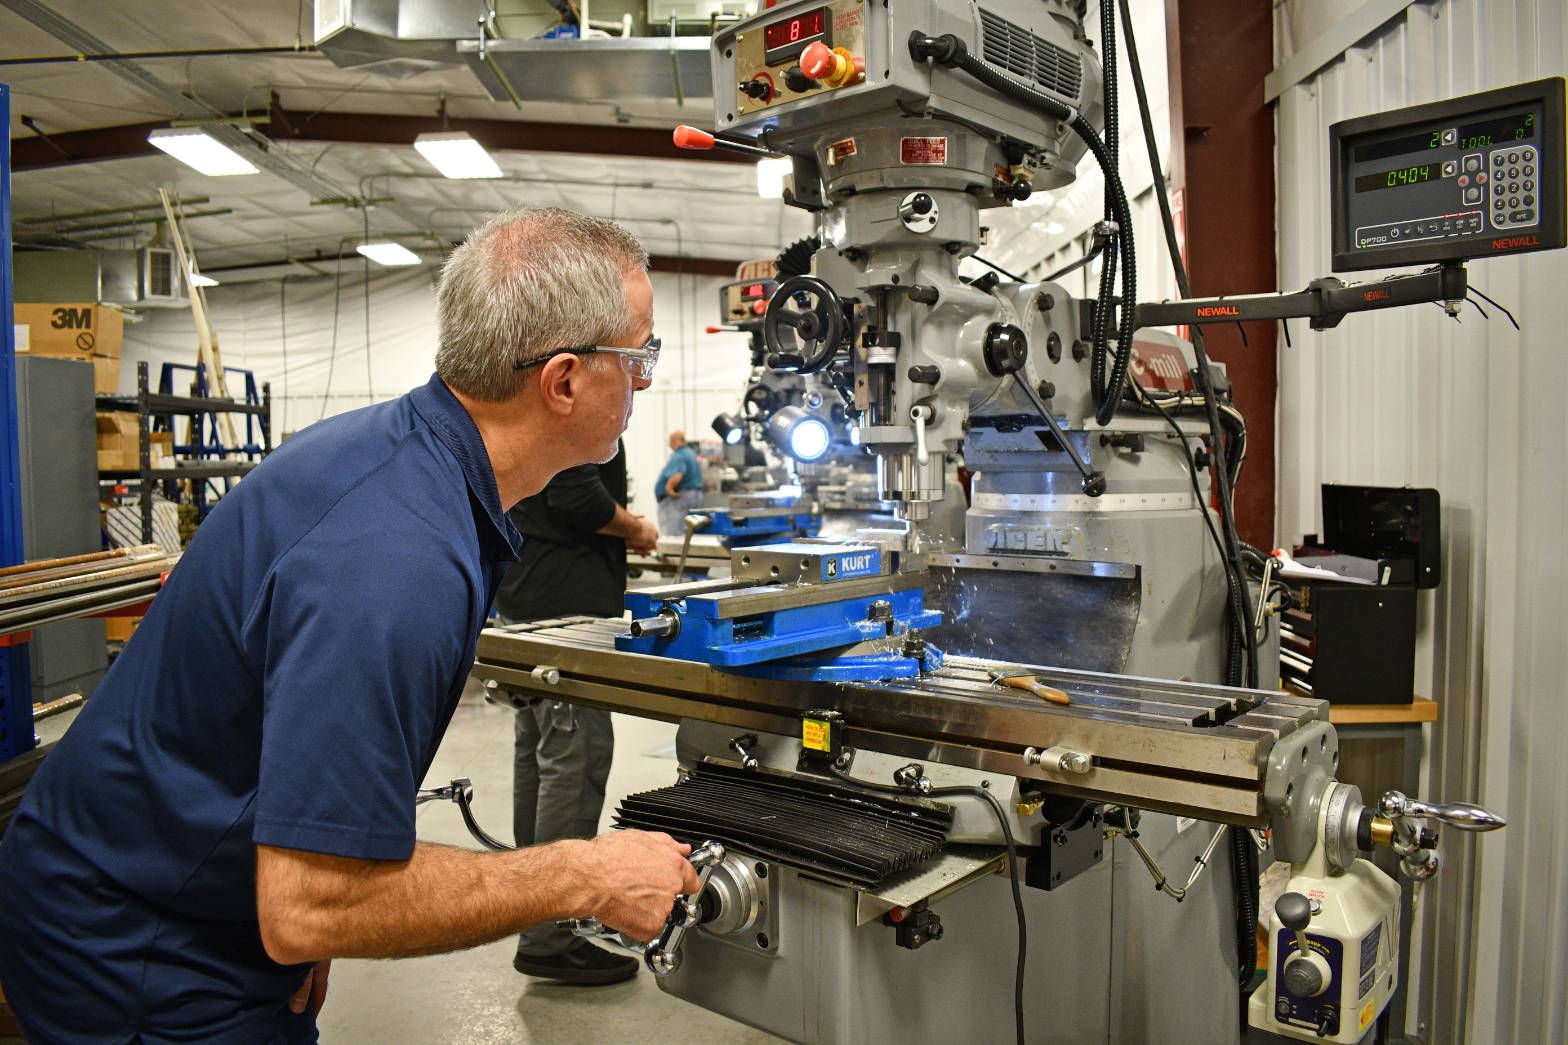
(235, 807)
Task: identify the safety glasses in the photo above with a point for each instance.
(639, 362)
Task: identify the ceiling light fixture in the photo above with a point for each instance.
(199, 280)
(193, 147)
(388, 253)
(456, 155)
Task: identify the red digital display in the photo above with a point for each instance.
(754, 290)
(786, 39)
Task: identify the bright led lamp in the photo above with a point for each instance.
(803, 436)
(193, 147)
(388, 253)
(456, 155)
(730, 428)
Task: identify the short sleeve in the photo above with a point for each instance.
(577, 498)
(365, 633)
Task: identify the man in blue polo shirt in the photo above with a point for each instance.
(678, 489)
(235, 805)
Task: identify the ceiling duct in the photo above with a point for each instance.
(396, 38)
(514, 62)
(643, 67)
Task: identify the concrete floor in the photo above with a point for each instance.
(475, 996)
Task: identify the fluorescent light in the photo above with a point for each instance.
(198, 280)
(388, 253)
(770, 178)
(1055, 228)
(195, 148)
(456, 155)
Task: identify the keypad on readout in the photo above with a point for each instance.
(1513, 178)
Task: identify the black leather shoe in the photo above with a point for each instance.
(581, 965)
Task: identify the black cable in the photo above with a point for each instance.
(996, 268)
(283, 336)
(1501, 308)
(332, 357)
(951, 52)
(1012, 869)
(1241, 605)
(370, 385)
(1243, 640)
(1111, 120)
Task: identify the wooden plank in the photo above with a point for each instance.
(1421, 709)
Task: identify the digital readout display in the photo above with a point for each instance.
(786, 39)
(1412, 175)
(754, 290)
(1515, 128)
(1399, 146)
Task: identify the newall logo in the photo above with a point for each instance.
(1515, 241)
(1376, 295)
(1218, 310)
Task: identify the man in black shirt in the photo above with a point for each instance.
(575, 535)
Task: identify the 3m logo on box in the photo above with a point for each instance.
(67, 318)
(850, 565)
(922, 150)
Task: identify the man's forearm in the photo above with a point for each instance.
(623, 524)
(313, 906)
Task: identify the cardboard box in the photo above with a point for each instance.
(119, 447)
(119, 444)
(86, 331)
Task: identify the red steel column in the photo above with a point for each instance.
(1222, 174)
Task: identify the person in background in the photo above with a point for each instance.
(679, 487)
(575, 535)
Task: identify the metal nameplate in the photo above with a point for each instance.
(1077, 502)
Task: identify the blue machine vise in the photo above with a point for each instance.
(791, 611)
(740, 529)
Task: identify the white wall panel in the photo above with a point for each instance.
(699, 374)
(1474, 409)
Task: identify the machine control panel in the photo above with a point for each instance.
(1466, 178)
(745, 300)
(803, 50)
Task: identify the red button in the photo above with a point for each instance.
(1480, 179)
(1464, 179)
(818, 61)
(758, 307)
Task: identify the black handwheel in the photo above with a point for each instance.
(804, 325)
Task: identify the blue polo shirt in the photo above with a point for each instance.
(288, 687)
(683, 460)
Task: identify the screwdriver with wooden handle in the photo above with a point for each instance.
(1030, 684)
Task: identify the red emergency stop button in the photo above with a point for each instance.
(835, 66)
(758, 307)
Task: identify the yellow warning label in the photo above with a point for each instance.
(1366, 1015)
(814, 734)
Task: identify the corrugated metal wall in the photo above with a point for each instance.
(1476, 410)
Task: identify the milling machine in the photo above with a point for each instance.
(895, 780)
